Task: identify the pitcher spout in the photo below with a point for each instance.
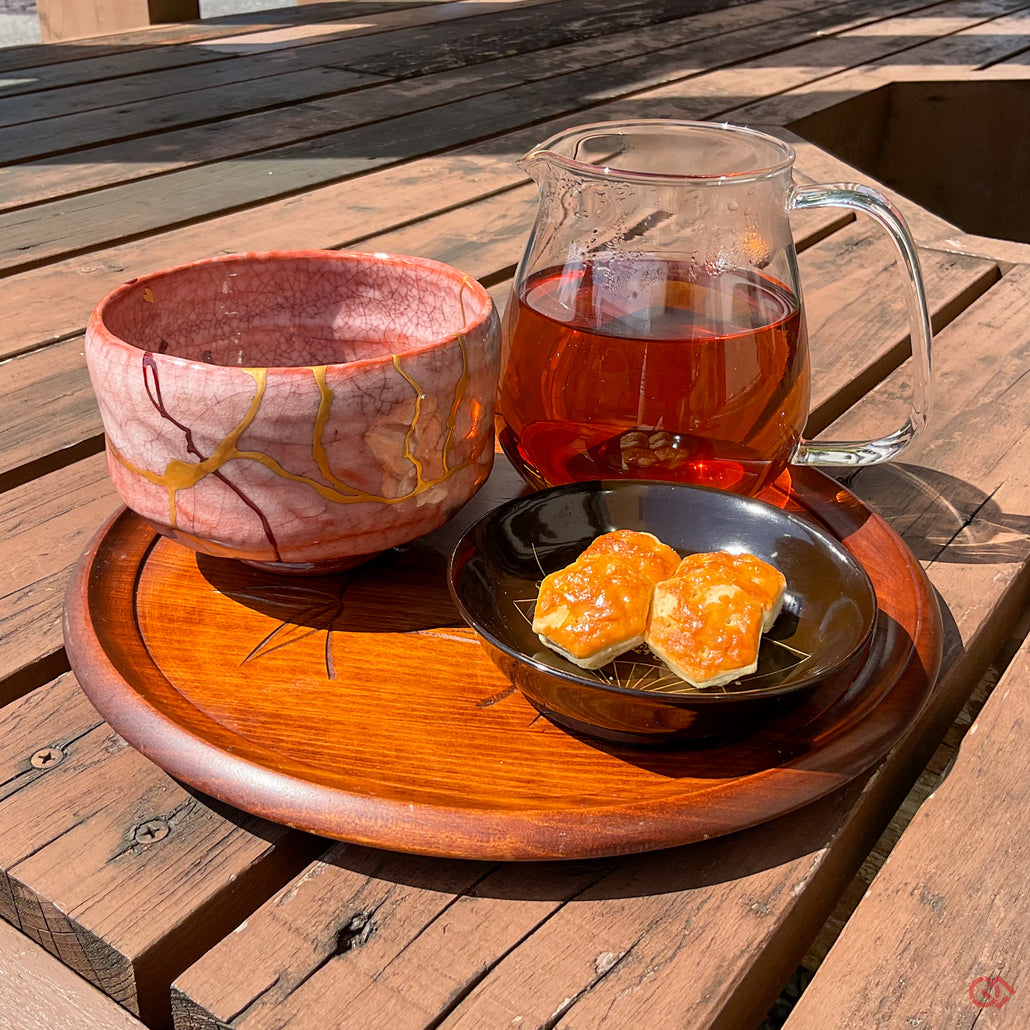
(537, 163)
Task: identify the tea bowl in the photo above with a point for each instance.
(298, 410)
(806, 659)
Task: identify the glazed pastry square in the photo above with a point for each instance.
(760, 579)
(593, 610)
(704, 628)
(644, 551)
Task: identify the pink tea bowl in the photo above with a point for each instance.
(298, 410)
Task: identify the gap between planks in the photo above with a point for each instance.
(929, 780)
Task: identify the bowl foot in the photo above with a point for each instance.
(312, 568)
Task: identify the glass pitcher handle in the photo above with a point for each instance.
(869, 452)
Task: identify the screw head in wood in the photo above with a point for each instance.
(47, 758)
(151, 831)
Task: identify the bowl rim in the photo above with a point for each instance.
(464, 546)
(481, 307)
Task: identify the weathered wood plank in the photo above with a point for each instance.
(26, 83)
(750, 903)
(68, 19)
(33, 181)
(947, 913)
(195, 70)
(855, 342)
(34, 57)
(61, 20)
(370, 906)
(613, 915)
(90, 827)
(46, 396)
(66, 133)
(344, 215)
(952, 43)
(344, 23)
(44, 526)
(57, 90)
(497, 36)
(1001, 34)
(48, 230)
(37, 990)
(517, 28)
(929, 780)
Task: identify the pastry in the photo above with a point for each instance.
(644, 551)
(593, 610)
(760, 579)
(703, 616)
(705, 629)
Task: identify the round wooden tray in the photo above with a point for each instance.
(360, 707)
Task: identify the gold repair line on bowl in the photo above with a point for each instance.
(462, 384)
(459, 392)
(181, 475)
(338, 487)
(326, 397)
(325, 404)
(419, 395)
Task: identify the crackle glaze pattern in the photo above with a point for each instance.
(302, 408)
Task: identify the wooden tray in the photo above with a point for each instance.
(360, 707)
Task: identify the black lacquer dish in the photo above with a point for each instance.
(828, 612)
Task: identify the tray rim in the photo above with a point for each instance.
(260, 782)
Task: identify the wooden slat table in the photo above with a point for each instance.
(37, 989)
(395, 126)
(941, 934)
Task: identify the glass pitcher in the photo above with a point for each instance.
(655, 327)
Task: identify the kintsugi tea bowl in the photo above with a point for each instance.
(301, 410)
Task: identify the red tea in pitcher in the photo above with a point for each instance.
(653, 369)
